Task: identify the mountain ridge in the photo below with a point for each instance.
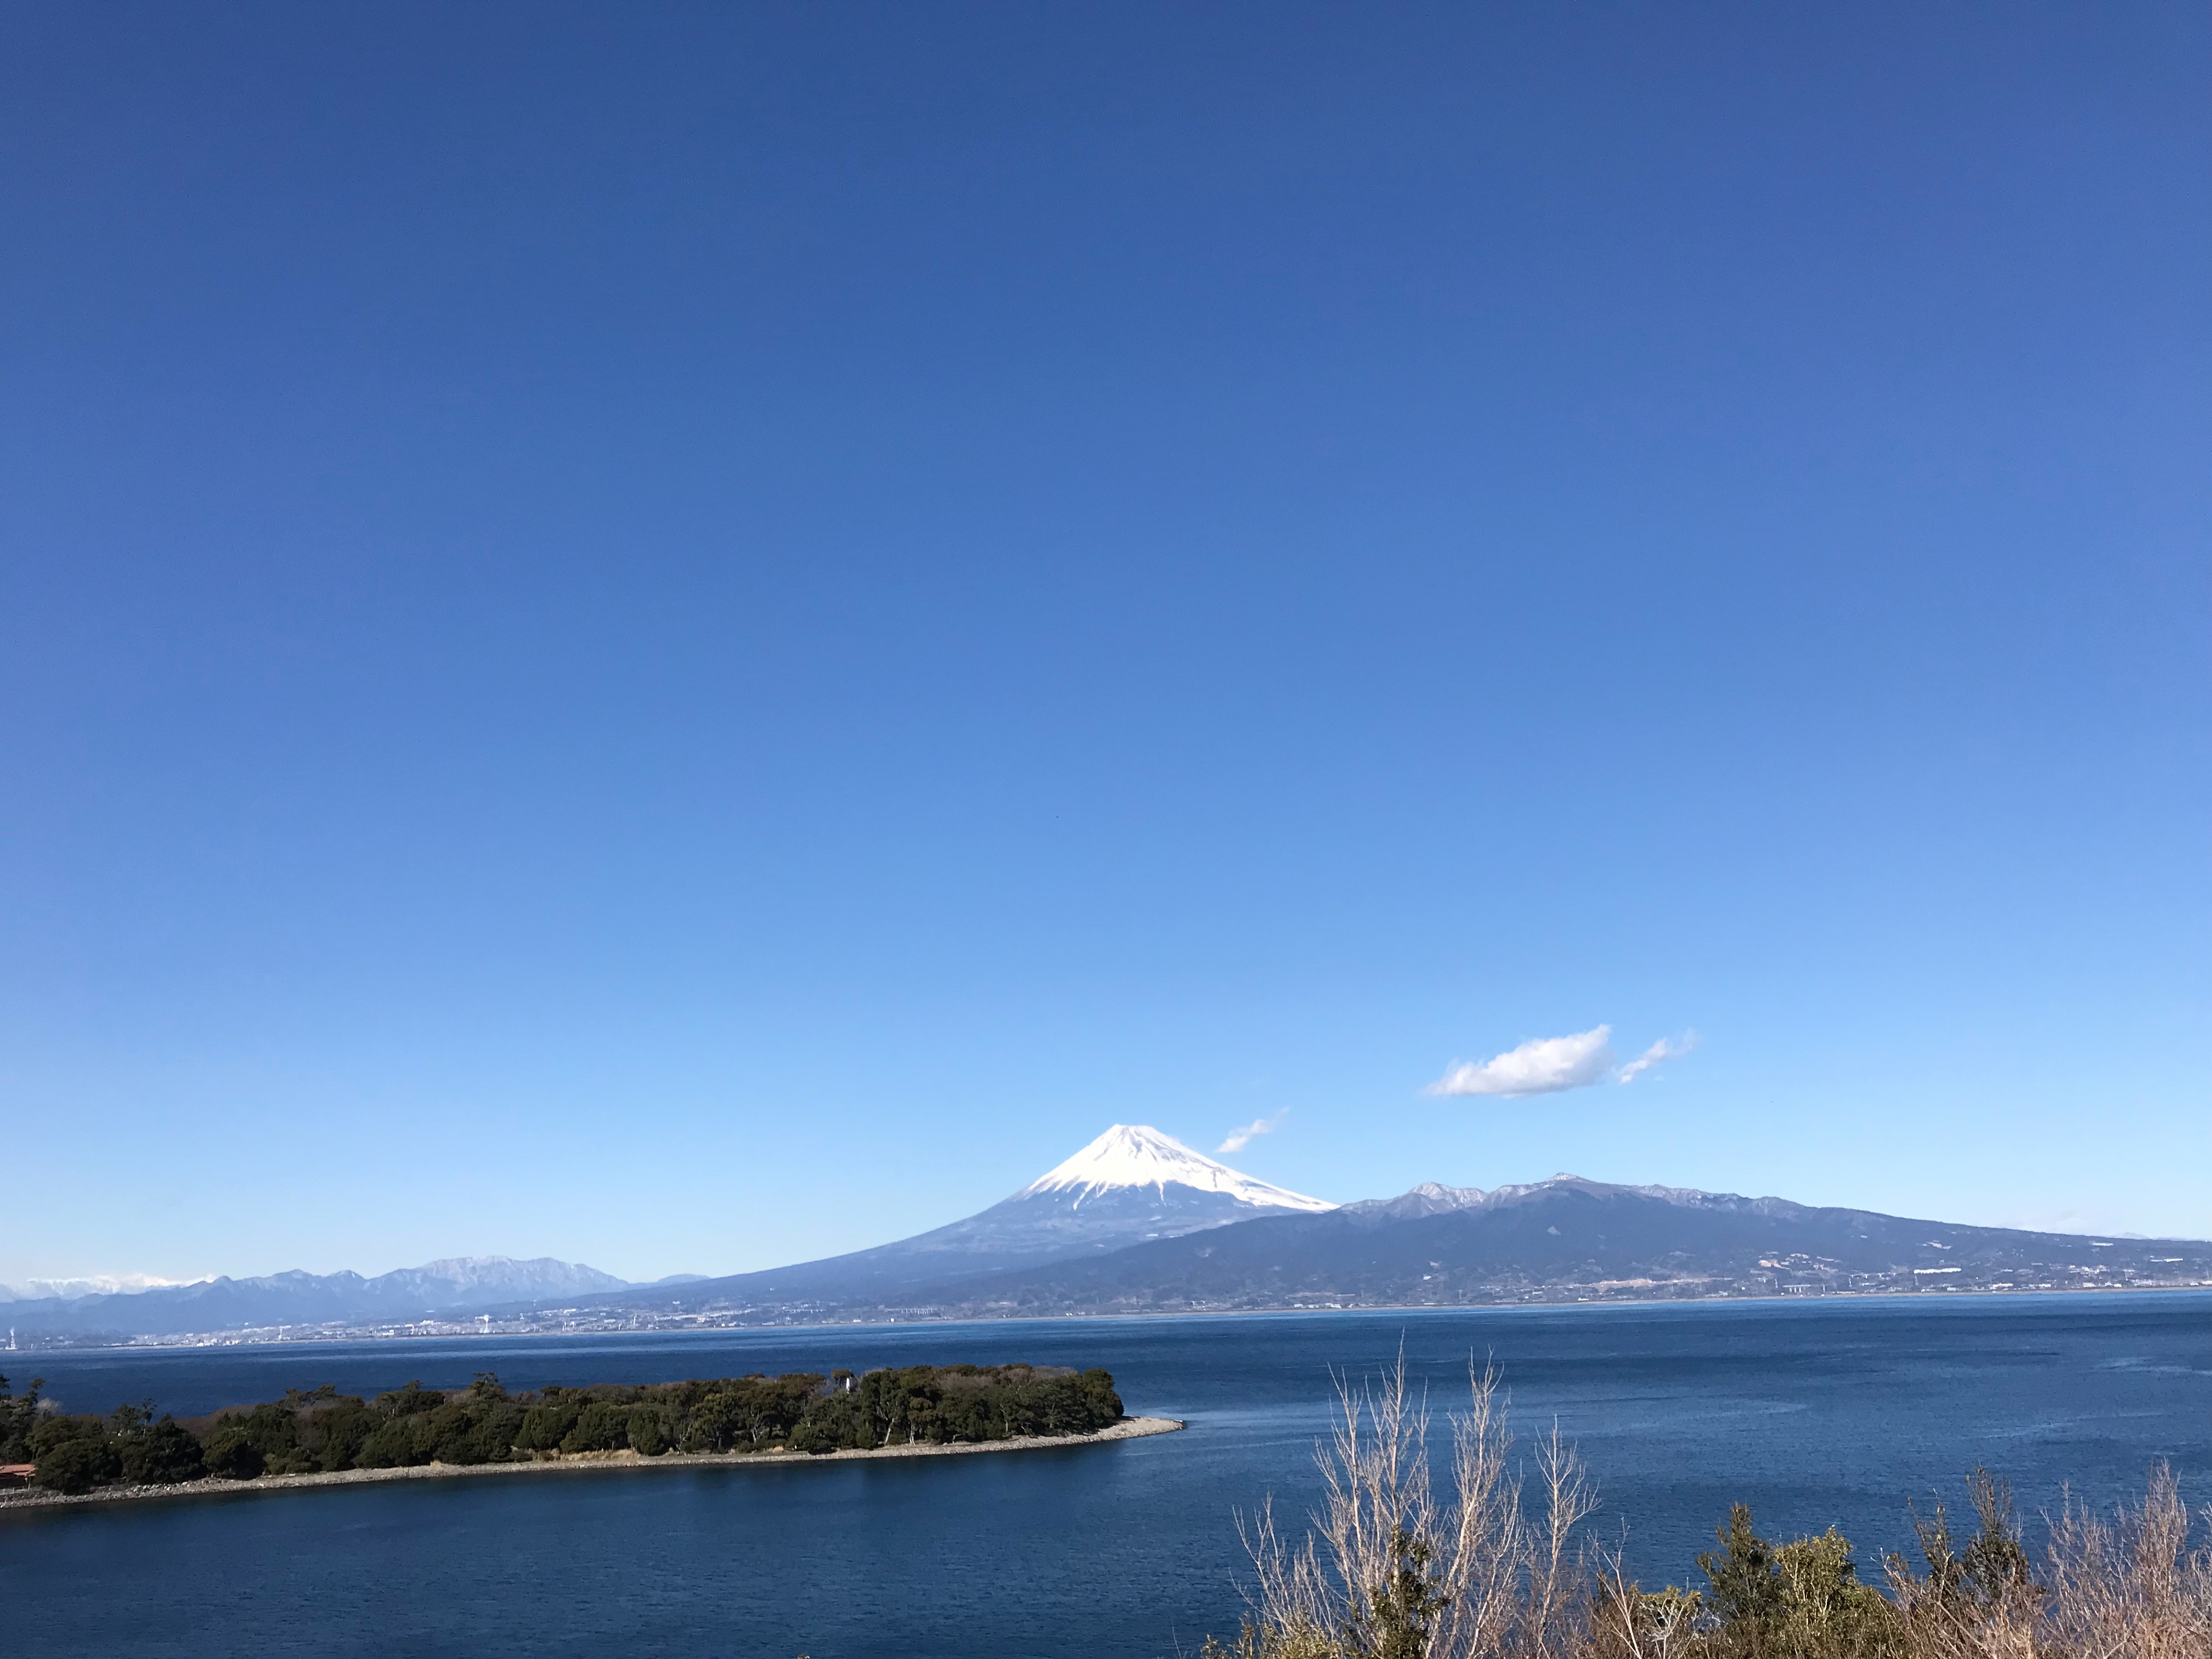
(295, 1296)
(1565, 1238)
(1130, 1183)
(1136, 1222)
(1570, 1238)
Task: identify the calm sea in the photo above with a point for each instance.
(1814, 1413)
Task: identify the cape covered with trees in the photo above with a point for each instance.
(322, 1431)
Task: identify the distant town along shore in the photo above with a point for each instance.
(322, 1437)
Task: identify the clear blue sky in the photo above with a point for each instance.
(688, 635)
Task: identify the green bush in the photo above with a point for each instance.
(600, 1426)
(77, 1466)
(230, 1454)
(162, 1455)
(651, 1430)
(19, 1415)
(545, 1426)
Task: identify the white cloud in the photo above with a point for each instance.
(1665, 1049)
(1240, 1138)
(1542, 1067)
(1548, 1065)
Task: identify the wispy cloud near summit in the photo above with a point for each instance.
(1545, 1066)
(1238, 1140)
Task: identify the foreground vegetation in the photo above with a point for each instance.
(1389, 1569)
(324, 1431)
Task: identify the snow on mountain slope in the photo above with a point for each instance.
(1131, 1184)
(1136, 1156)
(455, 1285)
(485, 1279)
(1430, 1198)
(61, 1290)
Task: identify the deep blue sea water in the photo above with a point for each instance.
(1814, 1413)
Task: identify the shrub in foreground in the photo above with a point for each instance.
(1391, 1569)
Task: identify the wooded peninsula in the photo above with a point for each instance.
(322, 1431)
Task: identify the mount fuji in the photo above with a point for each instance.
(1131, 1184)
(1134, 1182)
(1136, 1223)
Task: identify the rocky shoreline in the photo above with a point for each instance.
(1129, 1428)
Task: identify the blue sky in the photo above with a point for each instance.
(687, 636)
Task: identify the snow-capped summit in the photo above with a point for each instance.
(1130, 1185)
(1135, 1155)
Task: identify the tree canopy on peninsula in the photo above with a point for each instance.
(321, 1432)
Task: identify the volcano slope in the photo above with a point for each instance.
(1565, 1238)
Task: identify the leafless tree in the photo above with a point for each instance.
(1390, 1569)
(2132, 1587)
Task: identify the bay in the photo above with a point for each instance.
(1815, 1413)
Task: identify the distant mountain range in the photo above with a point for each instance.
(1571, 1239)
(46, 1290)
(459, 1284)
(1138, 1223)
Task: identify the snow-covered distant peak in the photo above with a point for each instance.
(466, 1269)
(489, 1273)
(63, 1290)
(1450, 1198)
(1131, 1155)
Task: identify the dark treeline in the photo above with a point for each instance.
(323, 1431)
